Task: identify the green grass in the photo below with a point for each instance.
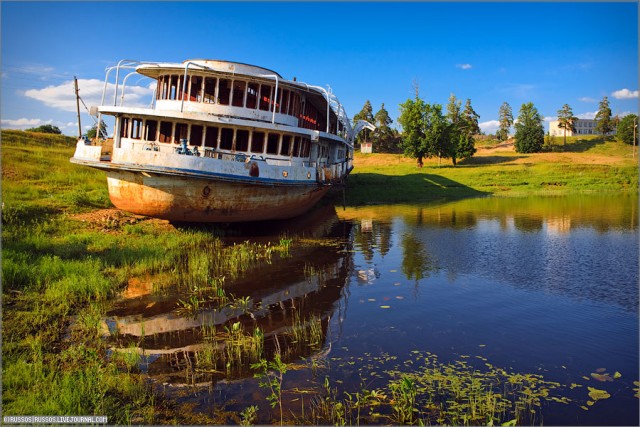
(60, 274)
(584, 165)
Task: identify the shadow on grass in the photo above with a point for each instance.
(372, 188)
(488, 160)
(580, 145)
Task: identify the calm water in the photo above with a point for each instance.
(536, 285)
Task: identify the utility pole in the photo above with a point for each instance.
(75, 81)
(635, 126)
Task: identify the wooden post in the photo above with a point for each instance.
(635, 126)
(75, 81)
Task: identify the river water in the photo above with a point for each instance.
(542, 285)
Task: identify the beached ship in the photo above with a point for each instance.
(220, 142)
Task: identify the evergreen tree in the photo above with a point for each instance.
(506, 121)
(383, 136)
(626, 129)
(453, 109)
(471, 119)
(365, 114)
(566, 121)
(529, 130)
(604, 124)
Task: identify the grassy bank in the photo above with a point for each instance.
(63, 260)
(586, 164)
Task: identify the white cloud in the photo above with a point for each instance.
(464, 66)
(22, 123)
(63, 96)
(625, 94)
(586, 99)
(550, 119)
(490, 126)
(589, 116)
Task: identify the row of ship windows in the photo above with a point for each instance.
(240, 93)
(215, 137)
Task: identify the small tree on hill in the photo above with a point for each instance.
(604, 123)
(505, 115)
(412, 122)
(627, 128)
(383, 136)
(529, 130)
(566, 121)
(46, 129)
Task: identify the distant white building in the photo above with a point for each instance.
(583, 127)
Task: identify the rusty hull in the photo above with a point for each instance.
(205, 200)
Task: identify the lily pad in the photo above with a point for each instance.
(385, 306)
(617, 375)
(601, 370)
(601, 377)
(596, 394)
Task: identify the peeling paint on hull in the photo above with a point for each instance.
(202, 200)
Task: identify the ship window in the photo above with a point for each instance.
(165, 131)
(160, 85)
(284, 102)
(295, 112)
(180, 132)
(195, 91)
(265, 97)
(238, 93)
(226, 139)
(152, 129)
(306, 145)
(224, 91)
(136, 128)
(211, 137)
(210, 90)
(252, 95)
(242, 140)
(196, 135)
(286, 144)
(180, 86)
(124, 127)
(272, 143)
(257, 142)
(296, 146)
(173, 87)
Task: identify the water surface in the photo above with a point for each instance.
(533, 285)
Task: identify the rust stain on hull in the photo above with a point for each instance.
(202, 200)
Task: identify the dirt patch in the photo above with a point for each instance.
(508, 145)
(112, 220)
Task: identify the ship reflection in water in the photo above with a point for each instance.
(285, 306)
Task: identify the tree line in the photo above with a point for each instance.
(428, 131)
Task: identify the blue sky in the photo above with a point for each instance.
(547, 53)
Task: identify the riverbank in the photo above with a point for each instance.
(586, 164)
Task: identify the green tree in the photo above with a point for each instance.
(46, 129)
(604, 123)
(471, 119)
(91, 133)
(461, 128)
(627, 128)
(505, 115)
(529, 130)
(453, 109)
(383, 136)
(365, 114)
(566, 121)
(412, 122)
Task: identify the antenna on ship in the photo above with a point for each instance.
(75, 82)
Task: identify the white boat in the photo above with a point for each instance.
(220, 142)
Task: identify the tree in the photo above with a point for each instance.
(471, 119)
(46, 129)
(566, 121)
(365, 114)
(461, 128)
(604, 124)
(424, 130)
(383, 136)
(412, 122)
(627, 128)
(91, 133)
(505, 115)
(529, 130)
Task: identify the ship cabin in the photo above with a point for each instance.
(234, 111)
